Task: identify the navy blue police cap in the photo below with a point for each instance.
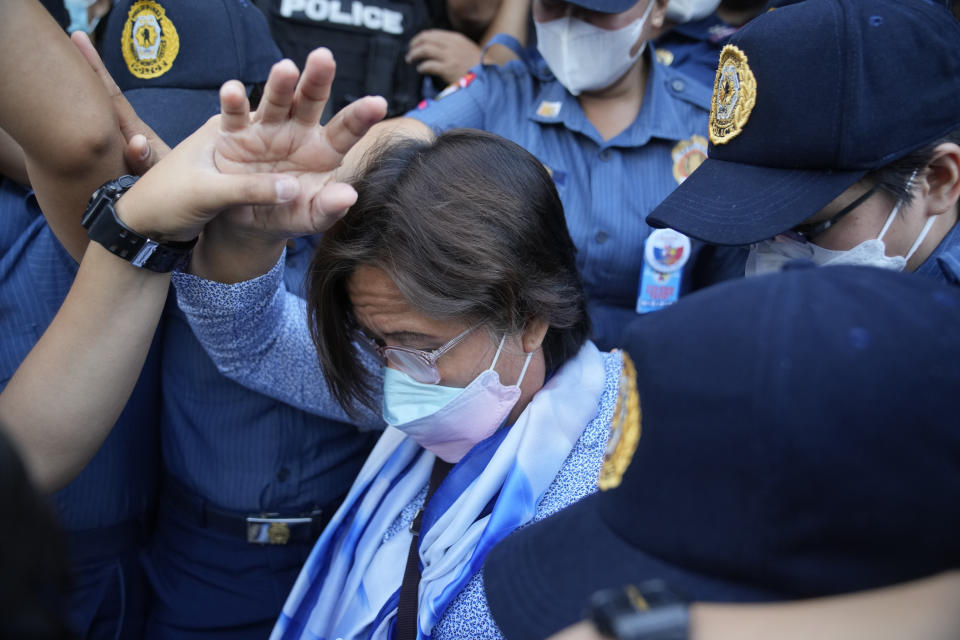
(797, 438)
(605, 6)
(170, 57)
(809, 98)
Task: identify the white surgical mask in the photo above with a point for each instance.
(584, 57)
(770, 255)
(449, 421)
(686, 10)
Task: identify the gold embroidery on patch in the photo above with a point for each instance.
(664, 57)
(149, 41)
(734, 95)
(625, 429)
(687, 156)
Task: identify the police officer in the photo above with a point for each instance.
(247, 482)
(838, 155)
(368, 38)
(616, 130)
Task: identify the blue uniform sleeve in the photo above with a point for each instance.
(466, 103)
(256, 334)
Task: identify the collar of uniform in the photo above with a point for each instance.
(944, 263)
(665, 112)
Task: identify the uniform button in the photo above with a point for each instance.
(283, 474)
(601, 237)
(605, 155)
(678, 85)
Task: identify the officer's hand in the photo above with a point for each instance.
(144, 147)
(447, 54)
(283, 136)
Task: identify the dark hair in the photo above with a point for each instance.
(33, 578)
(894, 178)
(470, 227)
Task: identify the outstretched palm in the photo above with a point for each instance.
(283, 136)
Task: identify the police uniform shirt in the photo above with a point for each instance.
(943, 264)
(36, 272)
(106, 508)
(607, 187)
(240, 449)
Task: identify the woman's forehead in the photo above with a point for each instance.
(379, 306)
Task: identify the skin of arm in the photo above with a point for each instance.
(64, 398)
(11, 160)
(511, 18)
(920, 610)
(61, 118)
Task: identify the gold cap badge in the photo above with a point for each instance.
(625, 430)
(734, 94)
(149, 41)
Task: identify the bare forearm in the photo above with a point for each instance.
(65, 396)
(11, 159)
(921, 610)
(511, 18)
(59, 114)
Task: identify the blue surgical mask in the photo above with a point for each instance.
(449, 421)
(406, 400)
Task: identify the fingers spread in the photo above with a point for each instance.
(314, 87)
(353, 121)
(278, 93)
(234, 106)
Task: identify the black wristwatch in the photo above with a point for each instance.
(651, 611)
(103, 226)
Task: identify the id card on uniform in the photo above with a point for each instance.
(664, 256)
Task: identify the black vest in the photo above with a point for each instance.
(368, 38)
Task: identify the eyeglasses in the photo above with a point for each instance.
(811, 230)
(416, 363)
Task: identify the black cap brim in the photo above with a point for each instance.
(732, 203)
(539, 579)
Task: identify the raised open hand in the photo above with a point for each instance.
(283, 136)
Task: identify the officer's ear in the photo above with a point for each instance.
(941, 180)
(658, 14)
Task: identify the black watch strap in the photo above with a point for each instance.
(104, 227)
(648, 612)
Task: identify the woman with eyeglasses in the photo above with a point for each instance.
(448, 300)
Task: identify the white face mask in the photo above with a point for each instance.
(770, 255)
(584, 57)
(686, 10)
(449, 421)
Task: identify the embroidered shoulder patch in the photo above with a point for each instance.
(149, 40)
(453, 87)
(687, 155)
(734, 95)
(625, 429)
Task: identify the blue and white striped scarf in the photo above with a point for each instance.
(349, 586)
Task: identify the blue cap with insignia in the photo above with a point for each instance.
(605, 6)
(809, 98)
(797, 438)
(169, 57)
